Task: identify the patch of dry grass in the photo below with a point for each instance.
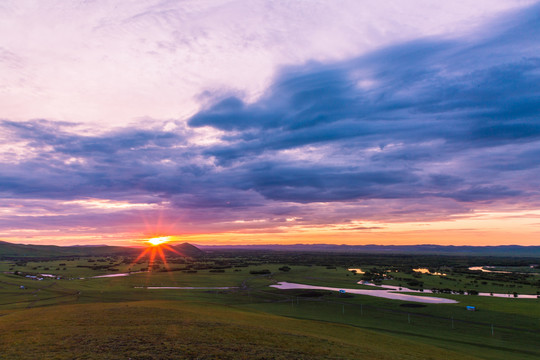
(183, 330)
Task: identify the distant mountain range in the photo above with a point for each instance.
(11, 250)
(502, 250)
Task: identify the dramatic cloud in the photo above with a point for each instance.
(413, 120)
(106, 62)
(417, 131)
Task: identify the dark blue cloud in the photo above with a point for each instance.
(428, 120)
(47, 133)
(64, 164)
(483, 193)
(454, 90)
(422, 103)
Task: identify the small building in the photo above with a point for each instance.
(471, 308)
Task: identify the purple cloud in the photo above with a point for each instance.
(418, 124)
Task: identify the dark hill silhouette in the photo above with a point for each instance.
(11, 250)
(188, 250)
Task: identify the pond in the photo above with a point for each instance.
(426, 271)
(358, 271)
(483, 269)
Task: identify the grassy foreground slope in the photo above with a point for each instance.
(73, 314)
(190, 330)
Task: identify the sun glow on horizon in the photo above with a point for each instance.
(156, 246)
(155, 241)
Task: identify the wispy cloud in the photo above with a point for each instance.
(421, 129)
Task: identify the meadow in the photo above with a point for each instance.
(74, 315)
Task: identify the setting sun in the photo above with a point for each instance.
(156, 247)
(159, 240)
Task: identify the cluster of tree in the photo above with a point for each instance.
(100, 267)
(447, 291)
(413, 283)
(260, 272)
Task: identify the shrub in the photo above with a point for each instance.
(260, 272)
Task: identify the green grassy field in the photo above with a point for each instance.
(118, 318)
(201, 330)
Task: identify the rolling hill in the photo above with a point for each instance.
(11, 250)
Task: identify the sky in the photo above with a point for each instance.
(270, 122)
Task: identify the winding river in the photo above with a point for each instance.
(387, 294)
(394, 292)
